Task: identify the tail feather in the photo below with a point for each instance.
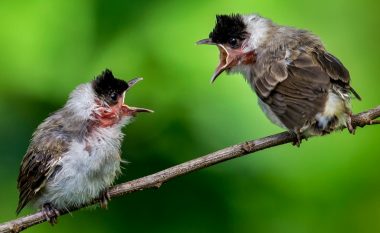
(355, 93)
(19, 208)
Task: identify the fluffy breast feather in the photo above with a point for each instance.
(87, 169)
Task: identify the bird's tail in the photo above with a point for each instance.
(355, 93)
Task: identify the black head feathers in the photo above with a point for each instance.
(227, 27)
(106, 86)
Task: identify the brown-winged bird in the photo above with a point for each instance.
(300, 85)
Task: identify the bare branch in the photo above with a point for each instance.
(157, 179)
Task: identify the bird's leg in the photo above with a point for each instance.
(297, 141)
(350, 127)
(104, 199)
(51, 213)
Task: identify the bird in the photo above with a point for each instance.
(300, 85)
(74, 154)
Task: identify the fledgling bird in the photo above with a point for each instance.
(74, 155)
(301, 86)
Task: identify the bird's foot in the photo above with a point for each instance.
(51, 213)
(298, 139)
(104, 199)
(350, 127)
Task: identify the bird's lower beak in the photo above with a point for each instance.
(129, 110)
(227, 57)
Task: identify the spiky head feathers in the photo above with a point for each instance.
(109, 88)
(227, 27)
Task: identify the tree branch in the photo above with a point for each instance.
(157, 179)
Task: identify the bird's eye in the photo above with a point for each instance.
(232, 42)
(113, 96)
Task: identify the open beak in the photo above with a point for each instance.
(129, 110)
(227, 57)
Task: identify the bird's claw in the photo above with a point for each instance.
(104, 199)
(350, 127)
(51, 213)
(298, 139)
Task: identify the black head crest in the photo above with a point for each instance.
(228, 26)
(105, 85)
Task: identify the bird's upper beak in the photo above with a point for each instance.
(227, 57)
(129, 110)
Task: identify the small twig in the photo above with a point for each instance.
(157, 179)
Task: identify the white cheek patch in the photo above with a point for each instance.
(258, 28)
(82, 101)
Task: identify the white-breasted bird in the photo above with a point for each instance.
(74, 155)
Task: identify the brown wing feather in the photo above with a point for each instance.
(335, 70)
(332, 66)
(265, 84)
(302, 95)
(298, 97)
(39, 163)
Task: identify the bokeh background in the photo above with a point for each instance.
(329, 184)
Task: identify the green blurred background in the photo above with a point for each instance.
(329, 184)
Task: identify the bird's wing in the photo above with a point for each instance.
(336, 70)
(297, 90)
(38, 164)
(333, 67)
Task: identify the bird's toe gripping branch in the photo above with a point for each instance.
(298, 137)
(51, 213)
(104, 198)
(351, 128)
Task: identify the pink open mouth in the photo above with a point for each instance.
(229, 57)
(226, 61)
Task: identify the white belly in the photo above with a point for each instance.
(84, 171)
